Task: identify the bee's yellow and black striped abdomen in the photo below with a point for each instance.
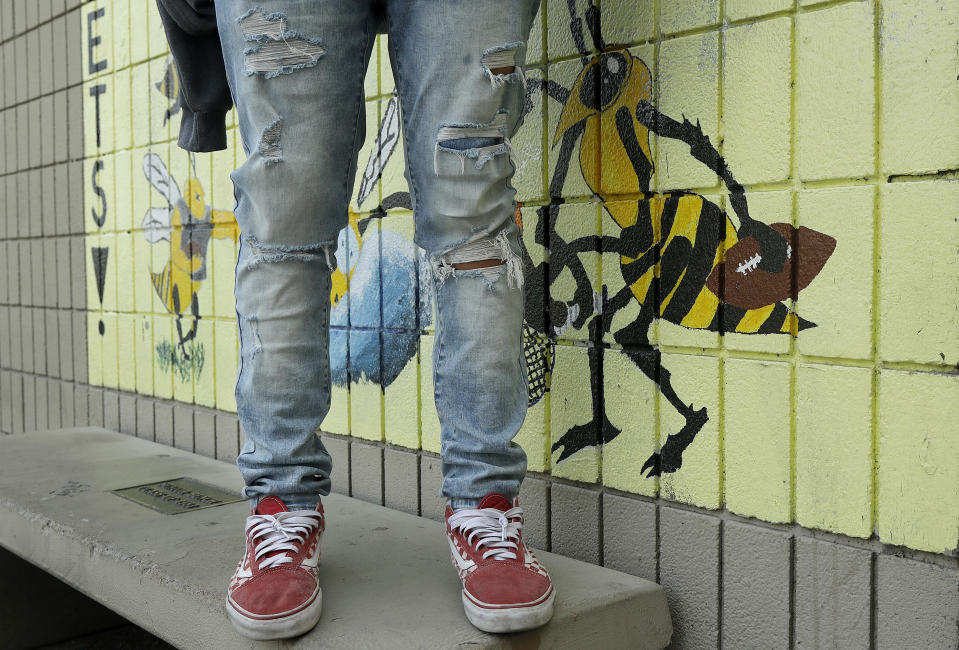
(693, 233)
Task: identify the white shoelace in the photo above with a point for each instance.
(279, 532)
(492, 528)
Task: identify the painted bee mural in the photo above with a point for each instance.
(677, 250)
(188, 223)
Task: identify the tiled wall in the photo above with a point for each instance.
(816, 506)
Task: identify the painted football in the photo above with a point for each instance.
(749, 287)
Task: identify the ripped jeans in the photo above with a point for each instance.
(296, 70)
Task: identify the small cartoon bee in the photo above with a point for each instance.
(671, 246)
(187, 223)
(169, 86)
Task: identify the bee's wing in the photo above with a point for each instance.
(385, 143)
(156, 172)
(156, 224)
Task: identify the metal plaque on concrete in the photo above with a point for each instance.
(178, 495)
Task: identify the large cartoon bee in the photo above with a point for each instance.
(671, 246)
(188, 223)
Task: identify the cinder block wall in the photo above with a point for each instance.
(816, 505)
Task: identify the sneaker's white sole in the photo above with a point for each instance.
(512, 619)
(277, 628)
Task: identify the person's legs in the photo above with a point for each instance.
(458, 67)
(295, 69)
(296, 72)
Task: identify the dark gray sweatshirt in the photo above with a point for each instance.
(205, 98)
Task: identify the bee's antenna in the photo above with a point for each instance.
(594, 23)
(576, 27)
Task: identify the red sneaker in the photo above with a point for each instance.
(275, 592)
(505, 589)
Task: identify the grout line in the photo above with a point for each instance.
(876, 266)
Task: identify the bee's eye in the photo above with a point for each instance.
(603, 81)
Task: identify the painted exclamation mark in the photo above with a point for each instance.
(100, 270)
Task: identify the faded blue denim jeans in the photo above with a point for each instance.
(296, 71)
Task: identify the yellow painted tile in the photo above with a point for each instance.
(630, 399)
(839, 300)
(689, 62)
(162, 354)
(221, 269)
(125, 267)
(220, 192)
(110, 342)
(680, 15)
(918, 55)
(919, 273)
(533, 437)
(138, 36)
(565, 73)
(834, 137)
(429, 419)
(156, 37)
(225, 363)
(834, 449)
(371, 80)
(145, 355)
(573, 221)
(143, 290)
(401, 407)
(122, 114)
(338, 418)
(535, 51)
(126, 351)
(140, 92)
(626, 22)
(742, 9)
(918, 460)
(756, 101)
(696, 382)
(121, 33)
(528, 142)
(757, 439)
(387, 83)
(570, 406)
(94, 349)
(768, 207)
(366, 395)
(204, 369)
(123, 192)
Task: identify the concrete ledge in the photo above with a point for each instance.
(386, 575)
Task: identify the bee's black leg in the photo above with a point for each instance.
(599, 430)
(649, 360)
